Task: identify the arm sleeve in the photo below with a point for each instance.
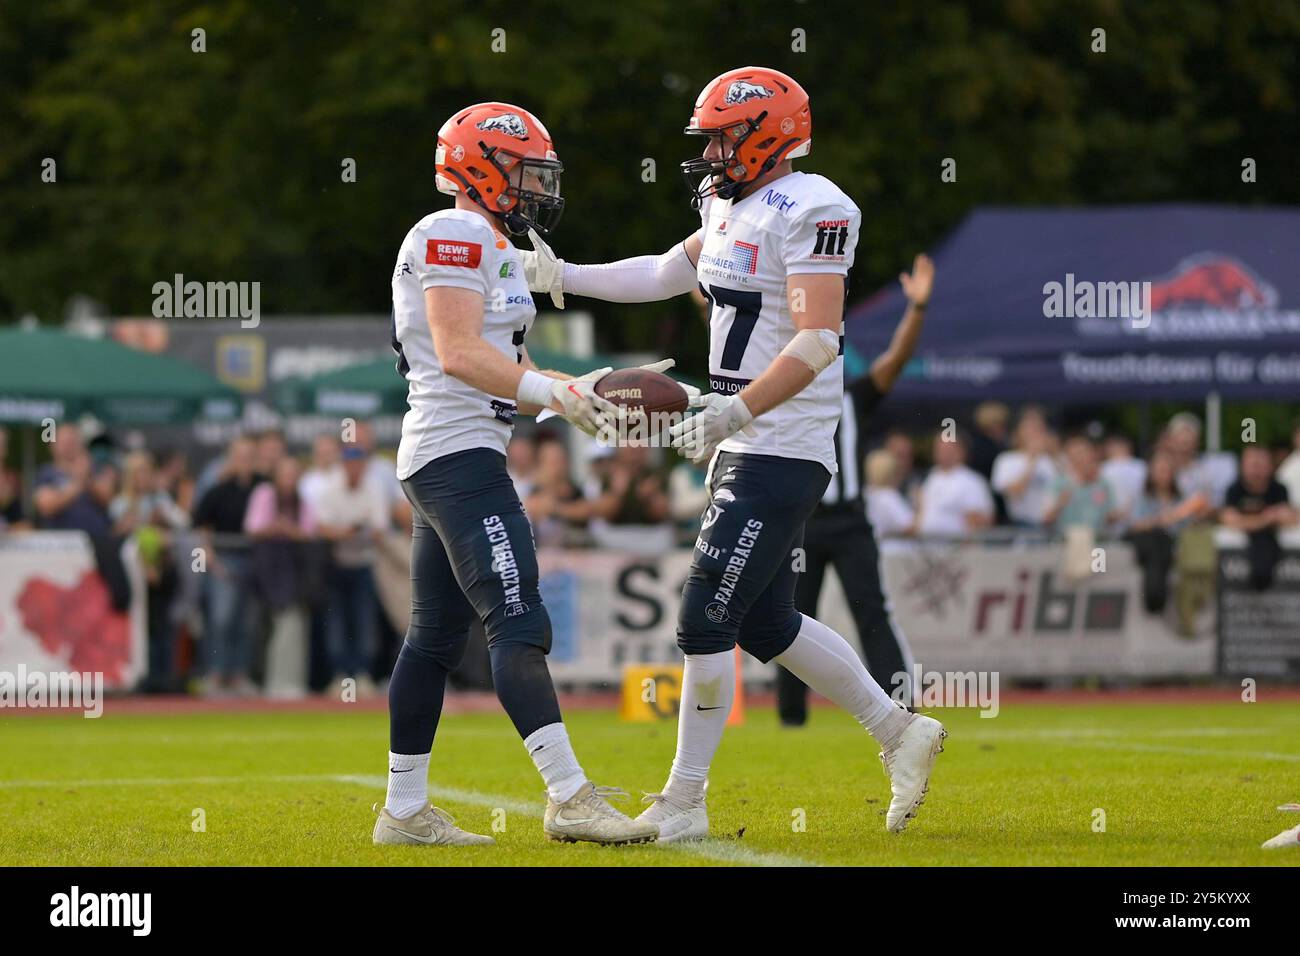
(452, 252)
(641, 279)
(823, 239)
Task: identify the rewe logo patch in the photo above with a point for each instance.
(444, 252)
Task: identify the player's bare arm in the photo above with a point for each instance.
(455, 319)
(817, 310)
(527, 408)
(456, 323)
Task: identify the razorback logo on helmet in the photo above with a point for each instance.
(443, 252)
(509, 123)
(742, 91)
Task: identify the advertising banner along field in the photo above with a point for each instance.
(56, 613)
(959, 610)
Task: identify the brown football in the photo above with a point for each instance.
(640, 390)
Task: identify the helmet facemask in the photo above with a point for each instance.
(708, 177)
(533, 192)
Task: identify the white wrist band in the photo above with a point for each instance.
(535, 388)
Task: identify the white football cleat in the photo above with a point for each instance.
(908, 767)
(1287, 838)
(430, 826)
(587, 816)
(676, 824)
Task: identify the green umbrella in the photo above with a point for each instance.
(375, 388)
(50, 374)
(368, 388)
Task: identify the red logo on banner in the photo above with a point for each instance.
(443, 252)
(78, 623)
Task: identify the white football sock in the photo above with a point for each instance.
(708, 687)
(554, 758)
(408, 784)
(824, 661)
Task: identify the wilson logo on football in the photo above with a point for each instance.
(623, 394)
(440, 252)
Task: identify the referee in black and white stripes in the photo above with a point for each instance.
(839, 534)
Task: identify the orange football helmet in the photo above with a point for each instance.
(760, 116)
(502, 157)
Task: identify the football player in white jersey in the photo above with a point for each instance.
(772, 256)
(461, 310)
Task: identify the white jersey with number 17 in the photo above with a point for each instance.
(798, 224)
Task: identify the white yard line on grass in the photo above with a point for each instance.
(1122, 740)
(163, 781)
(994, 734)
(1188, 751)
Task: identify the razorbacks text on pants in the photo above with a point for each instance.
(504, 564)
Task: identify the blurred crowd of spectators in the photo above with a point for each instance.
(1031, 477)
(288, 598)
(1090, 485)
(268, 559)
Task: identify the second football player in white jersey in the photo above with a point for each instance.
(772, 255)
(461, 311)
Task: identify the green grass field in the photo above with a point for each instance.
(1180, 784)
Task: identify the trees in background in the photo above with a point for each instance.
(227, 164)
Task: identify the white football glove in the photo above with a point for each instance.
(542, 270)
(582, 406)
(663, 365)
(720, 417)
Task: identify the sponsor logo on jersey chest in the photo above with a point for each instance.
(745, 256)
(780, 200)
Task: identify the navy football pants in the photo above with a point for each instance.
(472, 554)
(747, 558)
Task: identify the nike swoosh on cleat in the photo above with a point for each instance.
(566, 822)
(698, 707)
(414, 836)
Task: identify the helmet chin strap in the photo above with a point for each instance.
(739, 186)
(515, 223)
